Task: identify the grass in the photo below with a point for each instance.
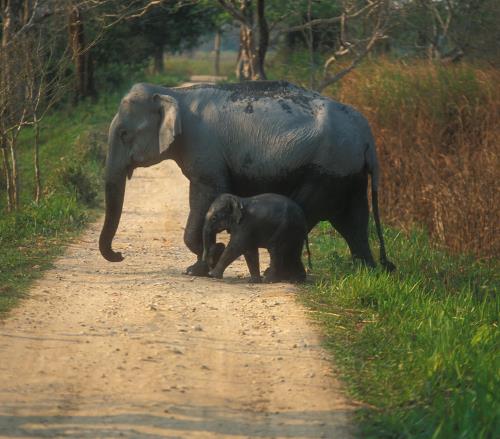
(72, 157)
(420, 348)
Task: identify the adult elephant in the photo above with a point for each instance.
(247, 139)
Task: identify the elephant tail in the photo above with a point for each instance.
(308, 252)
(374, 170)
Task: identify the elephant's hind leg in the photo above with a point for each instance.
(352, 224)
(274, 273)
(252, 260)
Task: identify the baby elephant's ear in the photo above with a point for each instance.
(236, 209)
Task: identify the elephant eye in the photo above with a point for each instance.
(126, 137)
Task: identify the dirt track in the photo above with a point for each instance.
(139, 350)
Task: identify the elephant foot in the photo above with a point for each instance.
(200, 268)
(388, 265)
(215, 274)
(297, 278)
(272, 277)
(255, 280)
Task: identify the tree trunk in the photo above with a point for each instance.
(310, 45)
(89, 67)
(11, 19)
(263, 41)
(84, 69)
(38, 179)
(8, 178)
(244, 67)
(217, 44)
(250, 63)
(158, 59)
(14, 175)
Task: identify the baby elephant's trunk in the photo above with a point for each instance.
(208, 241)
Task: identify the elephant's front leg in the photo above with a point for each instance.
(200, 199)
(231, 252)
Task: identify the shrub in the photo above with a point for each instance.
(77, 179)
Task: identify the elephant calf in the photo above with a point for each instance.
(268, 221)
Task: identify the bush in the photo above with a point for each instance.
(91, 146)
(76, 178)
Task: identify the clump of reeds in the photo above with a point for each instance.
(437, 131)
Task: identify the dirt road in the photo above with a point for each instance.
(139, 350)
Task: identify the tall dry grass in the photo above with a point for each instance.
(438, 132)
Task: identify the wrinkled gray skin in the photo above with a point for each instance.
(269, 221)
(247, 139)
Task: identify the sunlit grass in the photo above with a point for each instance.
(420, 346)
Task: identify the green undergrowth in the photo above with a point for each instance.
(72, 156)
(419, 347)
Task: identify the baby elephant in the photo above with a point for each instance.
(268, 221)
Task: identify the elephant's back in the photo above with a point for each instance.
(268, 128)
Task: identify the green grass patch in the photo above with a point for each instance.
(420, 346)
(31, 239)
(72, 155)
(201, 63)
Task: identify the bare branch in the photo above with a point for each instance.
(332, 20)
(378, 34)
(234, 12)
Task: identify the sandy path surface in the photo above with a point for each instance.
(139, 350)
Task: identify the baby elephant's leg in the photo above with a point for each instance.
(230, 253)
(274, 272)
(214, 254)
(252, 259)
(294, 268)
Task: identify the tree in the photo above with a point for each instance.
(356, 28)
(12, 112)
(82, 56)
(254, 40)
(31, 81)
(164, 28)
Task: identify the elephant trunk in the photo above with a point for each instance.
(114, 195)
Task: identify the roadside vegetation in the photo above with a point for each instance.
(72, 157)
(419, 347)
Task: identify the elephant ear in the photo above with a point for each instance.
(170, 125)
(236, 209)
